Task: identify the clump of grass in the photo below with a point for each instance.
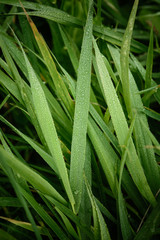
(79, 152)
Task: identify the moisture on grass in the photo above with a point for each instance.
(79, 115)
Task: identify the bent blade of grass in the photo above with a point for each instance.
(124, 58)
(48, 128)
(78, 147)
(27, 173)
(121, 127)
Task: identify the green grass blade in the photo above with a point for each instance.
(149, 66)
(124, 58)
(100, 227)
(105, 211)
(29, 42)
(85, 207)
(138, 67)
(70, 48)
(105, 128)
(151, 113)
(44, 215)
(105, 154)
(147, 156)
(81, 111)
(4, 101)
(68, 224)
(35, 146)
(22, 86)
(26, 172)
(61, 89)
(124, 221)
(121, 127)
(16, 187)
(48, 128)
(110, 35)
(47, 12)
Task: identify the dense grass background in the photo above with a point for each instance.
(79, 119)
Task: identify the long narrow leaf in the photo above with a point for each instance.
(125, 58)
(61, 17)
(101, 230)
(121, 128)
(81, 111)
(48, 128)
(147, 156)
(35, 179)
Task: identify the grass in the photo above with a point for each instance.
(79, 136)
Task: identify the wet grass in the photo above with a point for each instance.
(79, 91)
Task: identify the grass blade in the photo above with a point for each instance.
(70, 48)
(44, 215)
(61, 89)
(121, 127)
(35, 146)
(16, 187)
(26, 172)
(48, 128)
(127, 232)
(100, 227)
(81, 111)
(124, 58)
(62, 17)
(149, 64)
(147, 156)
